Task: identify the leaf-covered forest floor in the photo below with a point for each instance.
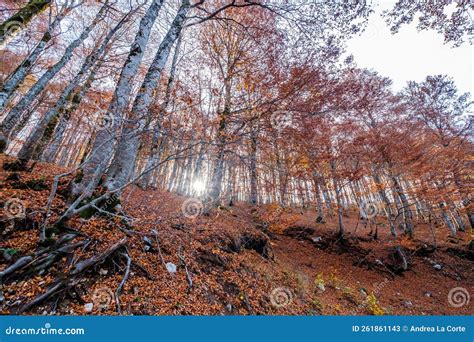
(231, 260)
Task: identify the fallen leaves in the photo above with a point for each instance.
(158, 285)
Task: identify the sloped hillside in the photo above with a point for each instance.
(150, 259)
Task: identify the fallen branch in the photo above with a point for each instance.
(188, 275)
(49, 259)
(387, 269)
(122, 283)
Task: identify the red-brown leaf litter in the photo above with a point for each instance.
(232, 260)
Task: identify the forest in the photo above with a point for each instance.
(229, 157)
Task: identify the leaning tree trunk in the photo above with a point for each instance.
(446, 218)
(157, 138)
(23, 121)
(15, 113)
(103, 146)
(385, 200)
(126, 150)
(444, 210)
(20, 20)
(50, 145)
(51, 116)
(18, 75)
(457, 218)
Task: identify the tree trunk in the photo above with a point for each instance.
(20, 20)
(465, 196)
(253, 165)
(218, 170)
(405, 207)
(317, 192)
(326, 196)
(282, 174)
(157, 138)
(18, 76)
(102, 148)
(51, 116)
(126, 150)
(25, 117)
(384, 197)
(340, 230)
(55, 141)
(15, 113)
(446, 218)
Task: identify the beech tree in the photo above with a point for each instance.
(15, 113)
(452, 19)
(20, 20)
(238, 101)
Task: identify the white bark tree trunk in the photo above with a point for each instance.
(221, 138)
(20, 20)
(253, 165)
(102, 148)
(56, 140)
(18, 76)
(31, 142)
(15, 113)
(157, 138)
(126, 150)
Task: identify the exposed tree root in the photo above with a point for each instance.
(70, 280)
(20, 263)
(122, 283)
